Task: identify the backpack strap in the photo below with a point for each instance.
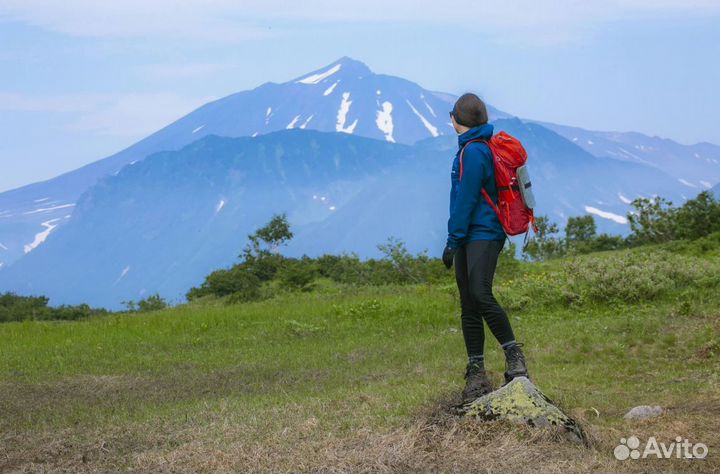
(462, 152)
(484, 193)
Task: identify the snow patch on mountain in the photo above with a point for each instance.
(606, 215)
(316, 78)
(41, 199)
(624, 199)
(432, 129)
(706, 184)
(687, 183)
(429, 108)
(122, 274)
(330, 89)
(45, 209)
(307, 121)
(292, 123)
(220, 205)
(2, 246)
(384, 121)
(342, 115)
(41, 236)
(198, 129)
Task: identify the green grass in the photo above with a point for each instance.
(342, 359)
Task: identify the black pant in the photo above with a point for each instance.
(475, 264)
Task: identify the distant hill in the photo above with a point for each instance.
(75, 235)
(162, 224)
(696, 167)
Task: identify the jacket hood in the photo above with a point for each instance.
(484, 131)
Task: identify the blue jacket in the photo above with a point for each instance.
(471, 217)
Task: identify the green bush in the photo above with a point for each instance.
(238, 281)
(345, 268)
(20, 308)
(298, 274)
(637, 276)
(656, 220)
(151, 303)
(546, 242)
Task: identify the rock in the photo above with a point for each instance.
(520, 401)
(643, 411)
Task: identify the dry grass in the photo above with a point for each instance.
(288, 439)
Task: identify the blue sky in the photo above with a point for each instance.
(83, 79)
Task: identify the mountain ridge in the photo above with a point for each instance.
(163, 223)
(316, 100)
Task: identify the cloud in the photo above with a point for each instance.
(200, 19)
(229, 20)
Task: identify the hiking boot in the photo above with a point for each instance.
(477, 383)
(515, 363)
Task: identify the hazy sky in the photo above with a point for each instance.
(82, 79)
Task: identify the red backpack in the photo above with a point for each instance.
(509, 157)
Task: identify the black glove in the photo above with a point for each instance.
(448, 256)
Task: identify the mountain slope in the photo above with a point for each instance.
(696, 167)
(162, 224)
(345, 96)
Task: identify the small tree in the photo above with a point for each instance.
(545, 243)
(652, 221)
(402, 261)
(269, 238)
(261, 255)
(579, 233)
(698, 217)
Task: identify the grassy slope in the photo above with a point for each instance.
(349, 379)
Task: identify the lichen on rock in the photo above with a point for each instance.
(520, 401)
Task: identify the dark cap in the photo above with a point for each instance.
(470, 111)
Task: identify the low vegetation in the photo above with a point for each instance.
(341, 364)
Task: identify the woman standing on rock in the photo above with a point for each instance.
(475, 240)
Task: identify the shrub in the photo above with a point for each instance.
(17, 308)
(545, 243)
(298, 274)
(72, 313)
(698, 217)
(343, 268)
(238, 281)
(656, 221)
(20, 308)
(636, 276)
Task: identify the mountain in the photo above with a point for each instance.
(82, 236)
(696, 167)
(162, 224)
(345, 96)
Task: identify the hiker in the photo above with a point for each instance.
(475, 240)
